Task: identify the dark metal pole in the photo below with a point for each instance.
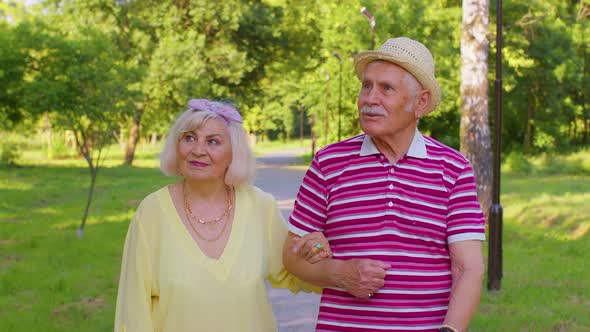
(495, 214)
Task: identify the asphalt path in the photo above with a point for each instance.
(278, 174)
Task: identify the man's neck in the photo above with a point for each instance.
(395, 146)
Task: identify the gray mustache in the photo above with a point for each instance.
(375, 110)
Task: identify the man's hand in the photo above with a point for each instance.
(362, 277)
(312, 246)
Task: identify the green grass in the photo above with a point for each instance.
(50, 280)
(546, 282)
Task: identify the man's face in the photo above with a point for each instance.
(386, 102)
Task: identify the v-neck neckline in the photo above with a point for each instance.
(220, 266)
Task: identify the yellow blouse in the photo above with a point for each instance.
(168, 284)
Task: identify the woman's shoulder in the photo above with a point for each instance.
(155, 200)
(255, 193)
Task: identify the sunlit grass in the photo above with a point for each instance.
(50, 280)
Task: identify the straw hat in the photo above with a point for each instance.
(410, 55)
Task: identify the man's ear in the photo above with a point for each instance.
(422, 100)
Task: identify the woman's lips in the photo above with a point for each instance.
(197, 164)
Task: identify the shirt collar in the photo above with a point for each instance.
(417, 148)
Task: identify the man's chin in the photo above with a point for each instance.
(371, 130)
(372, 125)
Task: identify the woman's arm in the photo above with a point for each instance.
(359, 277)
(133, 312)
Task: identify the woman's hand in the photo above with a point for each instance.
(313, 247)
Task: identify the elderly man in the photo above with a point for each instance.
(399, 210)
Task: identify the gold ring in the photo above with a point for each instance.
(319, 247)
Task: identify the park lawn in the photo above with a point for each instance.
(50, 280)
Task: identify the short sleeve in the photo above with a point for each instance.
(465, 220)
(311, 206)
(133, 312)
(278, 276)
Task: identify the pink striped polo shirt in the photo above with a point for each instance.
(404, 214)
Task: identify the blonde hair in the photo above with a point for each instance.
(242, 167)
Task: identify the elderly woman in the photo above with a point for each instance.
(198, 251)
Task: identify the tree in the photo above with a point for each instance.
(267, 56)
(475, 129)
(182, 49)
(79, 79)
(13, 62)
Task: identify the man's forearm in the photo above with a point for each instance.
(359, 277)
(465, 295)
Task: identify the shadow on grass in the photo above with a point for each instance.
(534, 185)
(56, 195)
(544, 285)
(60, 282)
(554, 204)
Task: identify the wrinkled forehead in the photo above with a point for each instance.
(203, 121)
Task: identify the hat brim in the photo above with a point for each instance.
(429, 82)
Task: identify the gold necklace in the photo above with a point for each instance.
(187, 210)
(202, 237)
(191, 216)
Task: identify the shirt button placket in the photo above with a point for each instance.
(390, 186)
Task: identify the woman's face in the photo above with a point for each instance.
(205, 152)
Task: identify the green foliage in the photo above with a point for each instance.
(577, 163)
(268, 56)
(10, 153)
(574, 164)
(517, 162)
(80, 85)
(60, 148)
(13, 62)
(547, 75)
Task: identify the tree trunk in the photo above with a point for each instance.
(48, 133)
(93, 173)
(121, 138)
(533, 105)
(83, 143)
(475, 128)
(133, 137)
(528, 140)
(584, 99)
(301, 125)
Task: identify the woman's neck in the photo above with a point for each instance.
(205, 190)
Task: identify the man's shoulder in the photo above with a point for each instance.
(440, 151)
(347, 147)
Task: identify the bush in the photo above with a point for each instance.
(59, 150)
(564, 164)
(10, 153)
(517, 162)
